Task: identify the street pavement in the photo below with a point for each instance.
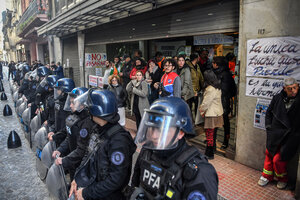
(18, 177)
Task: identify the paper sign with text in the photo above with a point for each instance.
(274, 57)
(93, 60)
(261, 108)
(93, 80)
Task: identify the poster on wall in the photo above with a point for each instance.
(260, 113)
(93, 80)
(95, 60)
(274, 57)
(98, 71)
(170, 49)
(261, 87)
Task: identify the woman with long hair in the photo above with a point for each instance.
(212, 110)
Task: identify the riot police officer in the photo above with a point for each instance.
(78, 127)
(61, 89)
(167, 167)
(105, 171)
(47, 112)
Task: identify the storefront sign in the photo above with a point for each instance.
(100, 82)
(212, 39)
(260, 87)
(260, 113)
(170, 49)
(93, 80)
(95, 60)
(274, 57)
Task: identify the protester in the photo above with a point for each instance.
(228, 88)
(106, 74)
(59, 71)
(204, 62)
(140, 65)
(197, 80)
(121, 96)
(184, 72)
(170, 84)
(153, 75)
(283, 138)
(211, 109)
(139, 96)
(159, 58)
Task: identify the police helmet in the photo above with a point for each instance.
(63, 85)
(51, 80)
(161, 124)
(102, 104)
(77, 105)
(25, 69)
(43, 71)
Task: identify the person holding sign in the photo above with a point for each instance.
(283, 133)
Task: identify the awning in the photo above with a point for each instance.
(91, 13)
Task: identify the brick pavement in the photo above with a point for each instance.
(237, 181)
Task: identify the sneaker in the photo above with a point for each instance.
(281, 185)
(263, 181)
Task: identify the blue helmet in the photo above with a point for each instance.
(103, 104)
(25, 69)
(65, 84)
(78, 91)
(51, 80)
(43, 71)
(161, 124)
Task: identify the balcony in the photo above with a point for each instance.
(34, 16)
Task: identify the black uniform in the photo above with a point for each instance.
(49, 113)
(74, 147)
(106, 170)
(60, 113)
(181, 173)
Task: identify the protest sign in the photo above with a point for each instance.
(93, 80)
(260, 113)
(94, 60)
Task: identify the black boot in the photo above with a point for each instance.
(215, 139)
(225, 143)
(209, 152)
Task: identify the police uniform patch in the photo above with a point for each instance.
(117, 158)
(83, 133)
(196, 195)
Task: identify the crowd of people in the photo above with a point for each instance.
(181, 76)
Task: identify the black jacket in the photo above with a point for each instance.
(75, 144)
(120, 93)
(126, 73)
(283, 127)
(228, 86)
(113, 164)
(201, 176)
(49, 113)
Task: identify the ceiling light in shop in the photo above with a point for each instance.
(133, 29)
(178, 20)
(153, 24)
(210, 14)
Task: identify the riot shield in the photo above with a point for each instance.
(21, 109)
(40, 138)
(40, 167)
(19, 102)
(35, 125)
(26, 116)
(46, 155)
(56, 182)
(15, 96)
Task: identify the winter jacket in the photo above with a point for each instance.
(228, 86)
(187, 91)
(211, 105)
(126, 70)
(197, 77)
(140, 89)
(283, 127)
(121, 95)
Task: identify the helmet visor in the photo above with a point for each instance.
(157, 132)
(57, 93)
(80, 102)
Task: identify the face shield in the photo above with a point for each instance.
(69, 104)
(57, 93)
(157, 131)
(34, 75)
(80, 102)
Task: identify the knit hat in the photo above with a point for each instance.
(289, 81)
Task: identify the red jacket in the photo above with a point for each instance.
(133, 71)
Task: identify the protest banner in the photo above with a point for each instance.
(95, 60)
(276, 57)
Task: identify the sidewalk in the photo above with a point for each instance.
(237, 181)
